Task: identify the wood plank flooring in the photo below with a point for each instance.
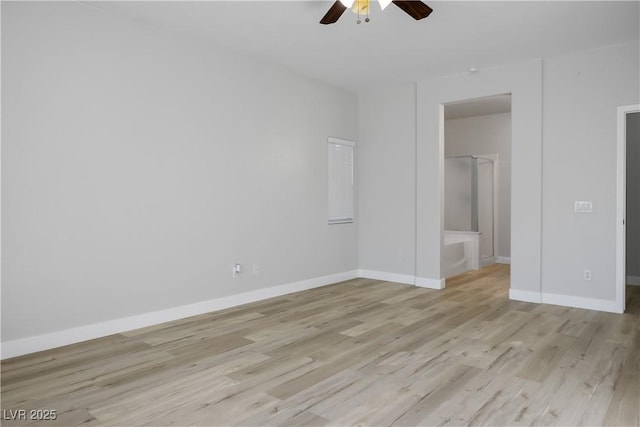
(361, 352)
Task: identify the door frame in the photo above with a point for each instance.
(621, 172)
(495, 158)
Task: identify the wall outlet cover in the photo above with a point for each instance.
(583, 206)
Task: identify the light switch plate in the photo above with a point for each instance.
(583, 206)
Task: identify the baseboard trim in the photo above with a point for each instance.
(564, 300)
(503, 260)
(488, 261)
(424, 282)
(387, 277)
(51, 340)
(581, 302)
(633, 280)
(421, 282)
(526, 296)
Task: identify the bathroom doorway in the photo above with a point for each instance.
(628, 210)
(477, 184)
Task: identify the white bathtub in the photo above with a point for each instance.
(460, 252)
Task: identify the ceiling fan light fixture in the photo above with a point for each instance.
(384, 3)
(361, 7)
(414, 8)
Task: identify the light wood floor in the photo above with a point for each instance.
(359, 352)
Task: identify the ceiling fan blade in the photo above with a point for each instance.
(333, 13)
(416, 9)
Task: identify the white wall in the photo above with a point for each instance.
(487, 134)
(581, 94)
(137, 168)
(387, 180)
(573, 159)
(633, 195)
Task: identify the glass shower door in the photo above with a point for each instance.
(485, 207)
(470, 199)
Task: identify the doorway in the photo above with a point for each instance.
(477, 184)
(628, 221)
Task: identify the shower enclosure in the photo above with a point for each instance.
(469, 202)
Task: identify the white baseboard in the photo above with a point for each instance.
(424, 282)
(387, 277)
(47, 341)
(633, 280)
(526, 296)
(503, 260)
(564, 300)
(488, 261)
(407, 279)
(580, 302)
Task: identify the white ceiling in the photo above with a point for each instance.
(478, 107)
(392, 47)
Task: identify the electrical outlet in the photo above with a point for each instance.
(587, 275)
(400, 257)
(255, 269)
(237, 269)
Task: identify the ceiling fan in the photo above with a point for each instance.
(414, 8)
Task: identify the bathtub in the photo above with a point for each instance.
(460, 252)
